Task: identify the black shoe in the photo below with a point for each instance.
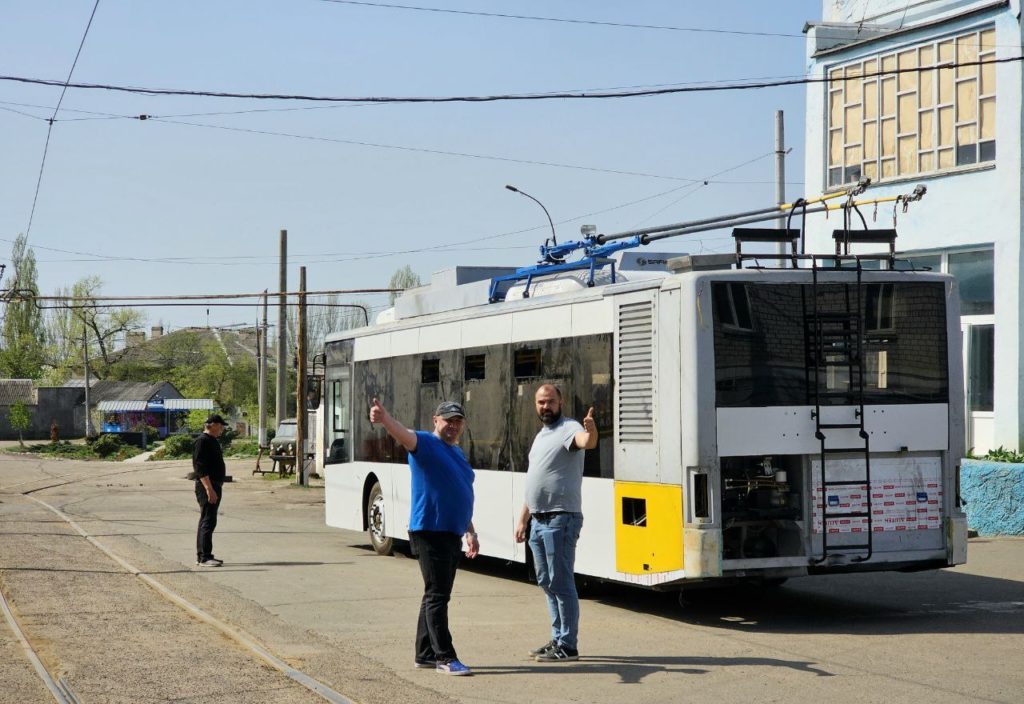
(558, 653)
(544, 648)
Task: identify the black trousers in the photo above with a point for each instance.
(438, 554)
(207, 521)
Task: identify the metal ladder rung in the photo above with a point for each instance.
(840, 450)
(847, 482)
(839, 425)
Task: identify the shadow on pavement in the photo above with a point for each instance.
(632, 670)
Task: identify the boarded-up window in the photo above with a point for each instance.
(915, 117)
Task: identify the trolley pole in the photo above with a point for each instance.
(281, 401)
(780, 177)
(300, 391)
(261, 344)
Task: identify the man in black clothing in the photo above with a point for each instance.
(208, 464)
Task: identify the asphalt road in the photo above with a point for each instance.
(321, 600)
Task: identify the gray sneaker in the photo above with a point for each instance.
(544, 648)
(559, 654)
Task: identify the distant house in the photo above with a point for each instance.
(46, 406)
(119, 406)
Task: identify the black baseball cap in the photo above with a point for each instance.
(450, 409)
(216, 418)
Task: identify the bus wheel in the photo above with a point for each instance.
(382, 544)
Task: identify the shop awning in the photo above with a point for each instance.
(188, 404)
(114, 406)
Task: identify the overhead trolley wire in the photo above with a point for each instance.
(49, 128)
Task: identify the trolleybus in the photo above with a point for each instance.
(755, 422)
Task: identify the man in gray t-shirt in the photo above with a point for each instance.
(554, 483)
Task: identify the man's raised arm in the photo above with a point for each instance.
(586, 439)
(402, 435)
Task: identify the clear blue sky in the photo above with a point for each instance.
(209, 202)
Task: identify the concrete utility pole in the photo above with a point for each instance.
(780, 176)
(282, 334)
(300, 386)
(261, 351)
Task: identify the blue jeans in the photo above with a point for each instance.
(553, 542)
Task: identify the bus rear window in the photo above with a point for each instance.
(776, 359)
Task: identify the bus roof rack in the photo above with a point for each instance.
(844, 238)
(786, 235)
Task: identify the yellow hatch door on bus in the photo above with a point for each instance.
(648, 527)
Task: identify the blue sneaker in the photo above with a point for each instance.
(453, 667)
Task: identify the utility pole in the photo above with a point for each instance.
(85, 350)
(281, 402)
(261, 351)
(300, 392)
(780, 176)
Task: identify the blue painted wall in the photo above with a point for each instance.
(994, 493)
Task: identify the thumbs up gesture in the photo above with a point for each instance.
(377, 411)
(588, 422)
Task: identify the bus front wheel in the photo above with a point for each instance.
(376, 520)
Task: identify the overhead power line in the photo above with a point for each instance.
(27, 295)
(564, 95)
(619, 25)
(442, 152)
(564, 20)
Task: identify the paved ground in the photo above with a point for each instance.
(320, 599)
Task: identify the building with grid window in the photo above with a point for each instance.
(929, 92)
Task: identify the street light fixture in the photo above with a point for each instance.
(554, 239)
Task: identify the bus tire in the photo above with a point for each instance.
(376, 522)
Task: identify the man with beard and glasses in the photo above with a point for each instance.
(440, 515)
(554, 487)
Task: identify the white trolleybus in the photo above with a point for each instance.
(755, 421)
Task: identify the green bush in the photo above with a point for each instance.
(227, 437)
(106, 445)
(1001, 454)
(243, 448)
(178, 446)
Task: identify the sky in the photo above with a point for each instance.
(192, 200)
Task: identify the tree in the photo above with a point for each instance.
(403, 278)
(329, 316)
(84, 321)
(20, 419)
(24, 337)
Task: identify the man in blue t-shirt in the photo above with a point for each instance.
(442, 513)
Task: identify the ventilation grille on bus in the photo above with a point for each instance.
(635, 367)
